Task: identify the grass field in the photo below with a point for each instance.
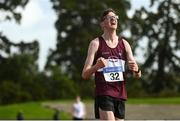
(35, 110)
(168, 100)
(31, 110)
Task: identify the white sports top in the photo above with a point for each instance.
(79, 110)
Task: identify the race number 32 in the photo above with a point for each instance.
(114, 76)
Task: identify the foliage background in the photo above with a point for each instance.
(77, 25)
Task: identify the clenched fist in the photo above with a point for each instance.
(101, 62)
(133, 66)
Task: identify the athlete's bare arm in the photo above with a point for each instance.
(131, 60)
(89, 68)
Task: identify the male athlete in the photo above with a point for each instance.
(107, 55)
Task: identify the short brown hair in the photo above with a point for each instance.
(105, 12)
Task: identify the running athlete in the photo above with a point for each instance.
(107, 55)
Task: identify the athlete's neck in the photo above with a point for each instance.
(109, 36)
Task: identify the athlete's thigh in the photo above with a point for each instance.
(105, 106)
(117, 119)
(106, 103)
(106, 115)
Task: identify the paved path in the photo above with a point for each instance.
(133, 112)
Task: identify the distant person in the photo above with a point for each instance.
(20, 116)
(78, 109)
(56, 115)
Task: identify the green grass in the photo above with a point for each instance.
(35, 110)
(31, 110)
(168, 100)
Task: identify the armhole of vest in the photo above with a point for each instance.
(121, 38)
(99, 39)
(124, 73)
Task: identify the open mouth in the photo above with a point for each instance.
(113, 23)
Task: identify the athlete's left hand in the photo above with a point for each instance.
(133, 66)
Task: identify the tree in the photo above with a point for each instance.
(9, 7)
(59, 86)
(18, 69)
(77, 24)
(161, 29)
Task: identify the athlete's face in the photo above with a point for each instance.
(110, 21)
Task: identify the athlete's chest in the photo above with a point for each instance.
(111, 44)
(111, 53)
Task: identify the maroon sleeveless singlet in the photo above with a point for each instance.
(113, 89)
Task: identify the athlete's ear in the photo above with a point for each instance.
(102, 25)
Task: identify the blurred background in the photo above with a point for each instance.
(43, 46)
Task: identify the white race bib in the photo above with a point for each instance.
(113, 72)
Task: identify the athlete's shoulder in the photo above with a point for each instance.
(95, 42)
(125, 41)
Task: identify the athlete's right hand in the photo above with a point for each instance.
(101, 62)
